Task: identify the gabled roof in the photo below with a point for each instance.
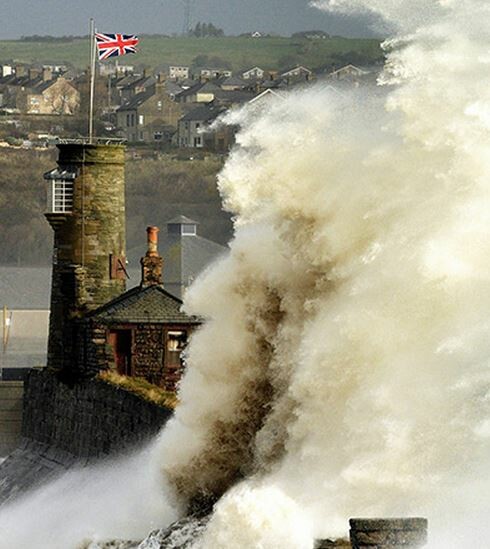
(252, 69)
(296, 68)
(234, 97)
(200, 87)
(144, 81)
(152, 305)
(182, 220)
(234, 81)
(266, 93)
(138, 100)
(172, 88)
(202, 114)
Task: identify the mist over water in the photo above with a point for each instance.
(118, 499)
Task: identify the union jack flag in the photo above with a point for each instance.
(113, 45)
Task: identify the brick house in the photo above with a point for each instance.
(202, 92)
(193, 124)
(148, 115)
(141, 333)
(57, 96)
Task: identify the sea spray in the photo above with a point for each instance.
(343, 369)
(345, 362)
(118, 499)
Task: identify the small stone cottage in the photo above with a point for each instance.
(141, 333)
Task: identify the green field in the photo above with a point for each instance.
(238, 52)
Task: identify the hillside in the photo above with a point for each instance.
(235, 52)
(157, 189)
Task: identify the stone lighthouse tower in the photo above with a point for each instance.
(86, 209)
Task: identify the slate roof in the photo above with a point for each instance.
(233, 97)
(182, 219)
(25, 287)
(234, 81)
(138, 100)
(184, 257)
(152, 305)
(200, 87)
(202, 114)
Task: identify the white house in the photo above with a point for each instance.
(253, 73)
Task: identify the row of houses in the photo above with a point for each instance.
(182, 112)
(168, 106)
(38, 90)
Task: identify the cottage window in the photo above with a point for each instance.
(60, 196)
(141, 120)
(128, 120)
(159, 105)
(176, 342)
(189, 229)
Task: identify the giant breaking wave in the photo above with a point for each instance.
(344, 366)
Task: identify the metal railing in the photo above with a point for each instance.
(93, 141)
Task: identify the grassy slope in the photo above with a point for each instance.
(156, 191)
(241, 52)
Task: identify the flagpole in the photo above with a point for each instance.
(92, 81)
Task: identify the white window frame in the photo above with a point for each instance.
(60, 196)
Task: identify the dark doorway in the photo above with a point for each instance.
(120, 340)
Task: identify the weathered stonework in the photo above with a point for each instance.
(88, 420)
(408, 533)
(89, 244)
(66, 426)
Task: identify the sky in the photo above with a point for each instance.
(64, 17)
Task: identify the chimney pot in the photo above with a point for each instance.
(152, 238)
(152, 263)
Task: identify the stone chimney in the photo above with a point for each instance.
(47, 74)
(160, 83)
(152, 263)
(20, 71)
(34, 73)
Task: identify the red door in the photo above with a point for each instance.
(120, 340)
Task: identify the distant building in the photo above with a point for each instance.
(149, 116)
(312, 35)
(58, 96)
(36, 91)
(195, 130)
(6, 69)
(135, 87)
(202, 92)
(348, 72)
(233, 83)
(297, 72)
(253, 73)
(213, 73)
(191, 126)
(178, 72)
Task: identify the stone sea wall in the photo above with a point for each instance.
(90, 419)
(65, 426)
